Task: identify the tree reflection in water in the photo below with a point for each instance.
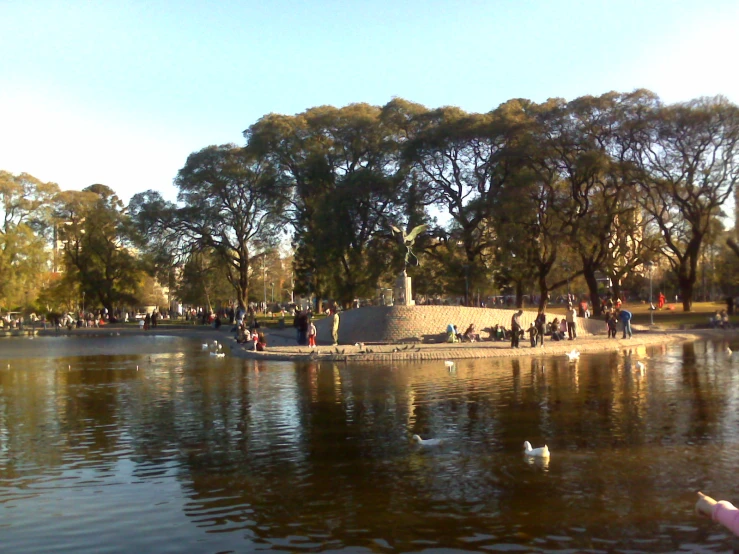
(234, 454)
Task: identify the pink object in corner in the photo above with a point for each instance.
(727, 515)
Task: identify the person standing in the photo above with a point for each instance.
(571, 322)
(541, 323)
(611, 322)
(335, 327)
(312, 335)
(516, 328)
(625, 317)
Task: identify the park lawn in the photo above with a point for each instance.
(677, 318)
(667, 318)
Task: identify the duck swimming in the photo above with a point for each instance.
(542, 452)
(426, 442)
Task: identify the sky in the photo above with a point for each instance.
(121, 92)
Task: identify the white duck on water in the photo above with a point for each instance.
(542, 452)
(426, 442)
(573, 355)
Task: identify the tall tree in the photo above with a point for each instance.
(465, 162)
(230, 202)
(589, 146)
(348, 185)
(93, 228)
(24, 233)
(688, 154)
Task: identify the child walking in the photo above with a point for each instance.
(312, 335)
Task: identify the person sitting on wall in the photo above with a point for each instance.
(715, 320)
(554, 329)
(471, 334)
(725, 321)
(243, 335)
(451, 333)
(261, 342)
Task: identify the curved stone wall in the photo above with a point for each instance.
(388, 324)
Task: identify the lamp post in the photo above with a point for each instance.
(651, 304)
(272, 285)
(466, 284)
(264, 279)
(83, 302)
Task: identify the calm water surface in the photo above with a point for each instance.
(191, 453)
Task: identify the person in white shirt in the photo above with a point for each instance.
(571, 322)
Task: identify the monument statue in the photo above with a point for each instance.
(403, 295)
(407, 240)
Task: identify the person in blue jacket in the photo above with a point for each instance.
(625, 317)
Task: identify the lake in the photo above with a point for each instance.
(149, 444)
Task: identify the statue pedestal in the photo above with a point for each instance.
(403, 295)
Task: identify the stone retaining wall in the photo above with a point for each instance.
(389, 324)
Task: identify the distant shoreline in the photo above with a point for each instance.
(281, 345)
(485, 349)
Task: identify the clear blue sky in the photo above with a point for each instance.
(120, 92)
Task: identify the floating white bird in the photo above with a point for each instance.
(220, 346)
(218, 354)
(641, 366)
(426, 442)
(449, 363)
(542, 452)
(204, 346)
(573, 355)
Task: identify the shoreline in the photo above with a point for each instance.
(281, 345)
(460, 351)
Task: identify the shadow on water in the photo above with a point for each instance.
(172, 449)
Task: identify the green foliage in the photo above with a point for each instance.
(348, 183)
(91, 225)
(527, 197)
(230, 202)
(24, 226)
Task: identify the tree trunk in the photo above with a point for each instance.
(242, 288)
(685, 282)
(519, 294)
(592, 282)
(733, 245)
(616, 288)
(543, 293)
(687, 273)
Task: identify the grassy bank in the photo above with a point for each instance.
(672, 315)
